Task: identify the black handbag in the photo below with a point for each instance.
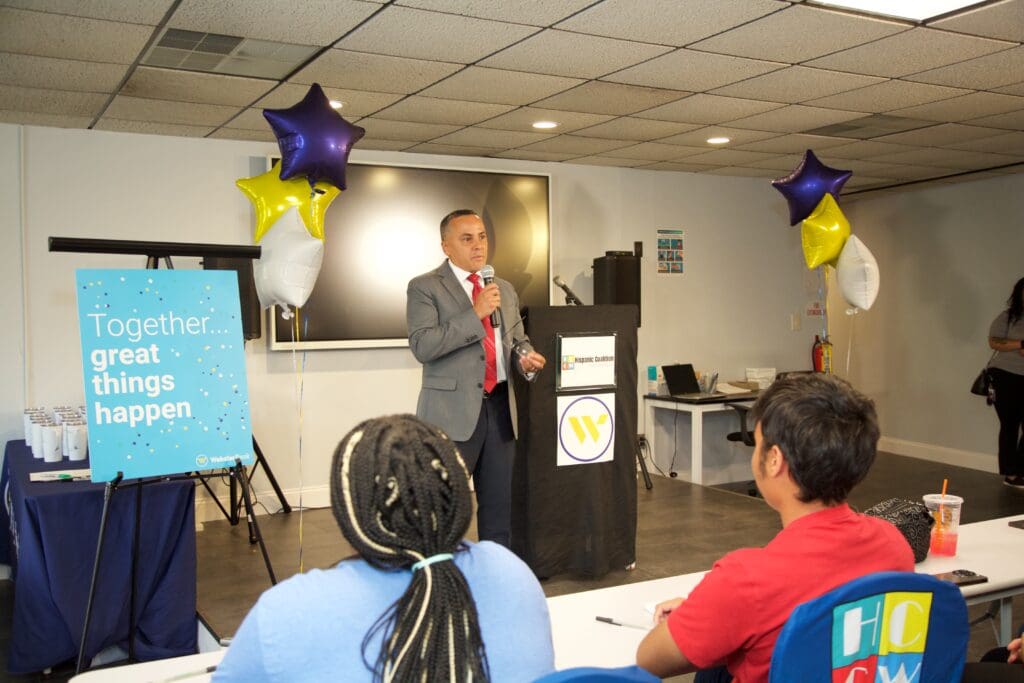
(911, 518)
(982, 383)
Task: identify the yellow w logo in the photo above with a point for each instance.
(579, 424)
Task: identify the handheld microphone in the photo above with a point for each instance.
(487, 275)
(570, 296)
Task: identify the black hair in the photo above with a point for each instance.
(1015, 304)
(826, 430)
(457, 213)
(400, 493)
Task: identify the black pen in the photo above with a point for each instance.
(609, 620)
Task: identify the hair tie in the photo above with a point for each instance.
(441, 557)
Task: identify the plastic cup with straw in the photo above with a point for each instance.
(942, 500)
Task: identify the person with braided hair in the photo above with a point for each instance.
(418, 603)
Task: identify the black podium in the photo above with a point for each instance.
(579, 518)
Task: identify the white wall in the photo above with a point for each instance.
(12, 398)
(948, 258)
(730, 310)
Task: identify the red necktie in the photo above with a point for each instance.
(491, 371)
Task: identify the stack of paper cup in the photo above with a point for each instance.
(28, 417)
(39, 423)
(77, 437)
(52, 434)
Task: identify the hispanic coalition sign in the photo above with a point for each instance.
(164, 367)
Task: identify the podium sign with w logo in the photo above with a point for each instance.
(586, 429)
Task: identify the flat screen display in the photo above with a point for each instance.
(385, 229)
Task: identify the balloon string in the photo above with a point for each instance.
(298, 368)
(821, 298)
(826, 321)
(849, 345)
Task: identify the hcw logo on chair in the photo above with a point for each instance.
(880, 638)
(586, 429)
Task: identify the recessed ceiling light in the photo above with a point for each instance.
(915, 10)
(718, 141)
(545, 125)
(337, 104)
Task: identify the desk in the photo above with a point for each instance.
(697, 413)
(53, 528)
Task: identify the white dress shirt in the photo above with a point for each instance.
(463, 277)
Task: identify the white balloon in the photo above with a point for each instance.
(857, 274)
(289, 263)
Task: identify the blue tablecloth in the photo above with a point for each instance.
(53, 529)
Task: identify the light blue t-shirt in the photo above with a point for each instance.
(311, 627)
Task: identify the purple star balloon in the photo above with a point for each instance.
(314, 139)
(807, 184)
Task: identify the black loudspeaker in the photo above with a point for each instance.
(617, 279)
(252, 318)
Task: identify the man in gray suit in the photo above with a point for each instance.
(466, 364)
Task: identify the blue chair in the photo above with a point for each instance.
(889, 626)
(590, 674)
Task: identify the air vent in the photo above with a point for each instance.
(870, 127)
(220, 54)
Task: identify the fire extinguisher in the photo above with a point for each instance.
(821, 355)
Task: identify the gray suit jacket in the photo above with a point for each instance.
(445, 335)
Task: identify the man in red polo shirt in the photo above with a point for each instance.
(815, 439)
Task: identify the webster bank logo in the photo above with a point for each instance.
(586, 429)
(880, 638)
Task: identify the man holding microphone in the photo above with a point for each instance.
(464, 327)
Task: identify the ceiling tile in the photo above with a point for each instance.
(667, 22)
(1013, 121)
(655, 151)
(910, 52)
(250, 119)
(692, 70)
(948, 158)
(244, 134)
(865, 149)
(796, 84)
(863, 182)
(939, 135)
(523, 118)
(887, 96)
(38, 100)
(972, 106)
(675, 166)
(799, 33)
(384, 145)
(495, 139)
(795, 143)
(403, 130)
(29, 118)
(699, 137)
(1004, 143)
(59, 74)
(704, 109)
(375, 73)
(434, 110)
(727, 157)
(598, 97)
(354, 102)
(599, 160)
(572, 144)
(479, 84)
(529, 12)
(137, 12)
(640, 130)
(909, 172)
(782, 165)
(533, 156)
(860, 167)
(796, 118)
(303, 22)
(165, 111)
(191, 86)
(152, 128)
(66, 37)
(456, 150)
(419, 34)
(560, 53)
(981, 73)
(999, 20)
(741, 171)
(1015, 89)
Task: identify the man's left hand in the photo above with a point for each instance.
(532, 362)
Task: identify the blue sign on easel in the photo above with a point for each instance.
(164, 366)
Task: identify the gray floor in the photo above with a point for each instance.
(682, 528)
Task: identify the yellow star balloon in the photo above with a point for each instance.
(824, 233)
(271, 197)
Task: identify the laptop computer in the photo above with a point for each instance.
(682, 385)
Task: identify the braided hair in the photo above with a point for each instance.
(400, 493)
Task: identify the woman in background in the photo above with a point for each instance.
(418, 603)
(1006, 338)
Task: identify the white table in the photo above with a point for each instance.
(159, 671)
(696, 413)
